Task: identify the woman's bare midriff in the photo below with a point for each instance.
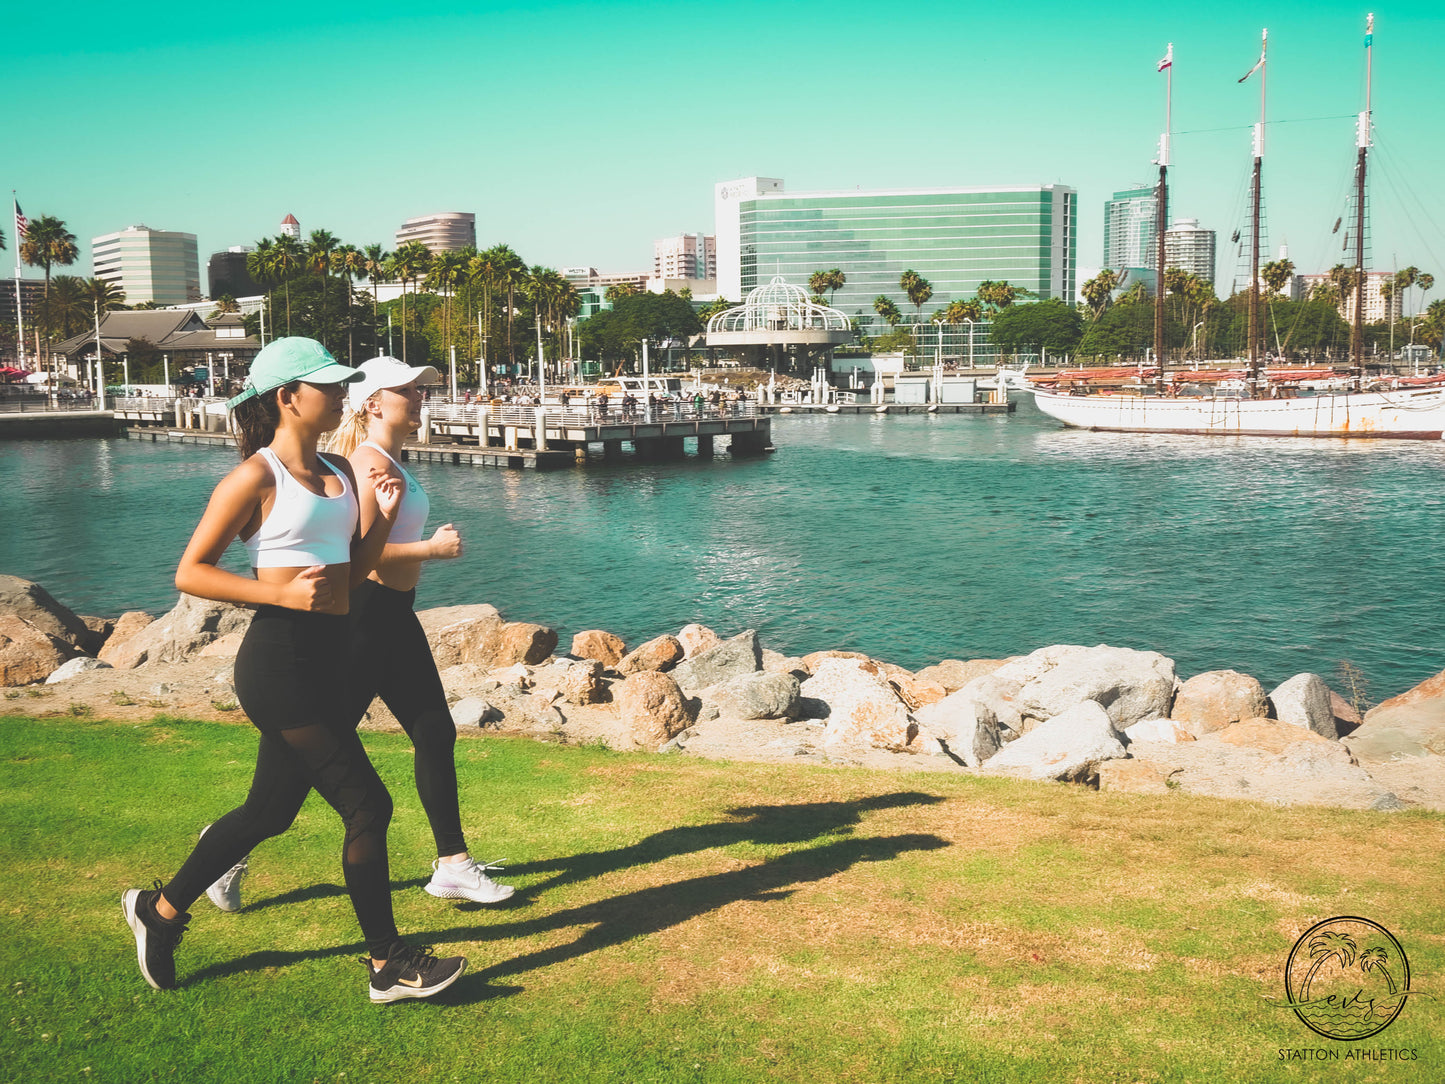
(338, 576)
(398, 575)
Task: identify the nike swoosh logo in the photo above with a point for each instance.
(413, 983)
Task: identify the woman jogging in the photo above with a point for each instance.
(389, 653)
(298, 513)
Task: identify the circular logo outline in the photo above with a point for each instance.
(1312, 944)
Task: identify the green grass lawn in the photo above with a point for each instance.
(679, 920)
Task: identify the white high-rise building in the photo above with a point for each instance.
(1131, 229)
(1190, 247)
(686, 256)
(447, 231)
(727, 201)
(149, 265)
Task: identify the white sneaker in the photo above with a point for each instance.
(466, 881)
(225, 893)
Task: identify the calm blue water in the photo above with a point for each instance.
(911, 539)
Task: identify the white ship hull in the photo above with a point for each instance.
(1412, 414)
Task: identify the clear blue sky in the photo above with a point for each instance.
(580, 132)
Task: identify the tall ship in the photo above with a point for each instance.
(1255, 401)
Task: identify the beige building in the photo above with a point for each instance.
(1377, 308)
(446, 231)
(149, 265)
(686, 256)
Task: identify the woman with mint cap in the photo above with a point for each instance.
(298, 514)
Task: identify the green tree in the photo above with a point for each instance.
(1099, 292)
(918, 289)
(1276, 274)
(48, 243)
(321, 257)
(997, 296)
(408, 264)
(1052, 324)
(884, 307)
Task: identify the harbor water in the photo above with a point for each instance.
(909, 538)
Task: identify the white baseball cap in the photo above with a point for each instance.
(387, 372)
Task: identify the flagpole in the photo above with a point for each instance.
(19, 308)
(1161, 212)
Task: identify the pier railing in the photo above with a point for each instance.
(589, 414)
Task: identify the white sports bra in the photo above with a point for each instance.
(303, 528)
(411, 514)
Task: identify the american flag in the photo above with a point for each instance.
(21, 222)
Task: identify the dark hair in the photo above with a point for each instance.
(257, 419)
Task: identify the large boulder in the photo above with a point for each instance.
(695, 639)
(35, 606)
(1217, 699)
(581, 682)
(954, 674)
(740, 654)
(1304, 700)
(651, 708)
(1170, 730)
(179, 635)
(1405, 726)
(659, 653)
(1130, 685)
(1266, 760)
(597, 644)
(122, 632)
(462, 634)
(760, 695)
(862, 707)
(915, 691)
(29, 654)
(967, 725)
(813, 658)
(524, 642)
(1068, 747)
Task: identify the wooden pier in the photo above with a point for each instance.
(888, 408)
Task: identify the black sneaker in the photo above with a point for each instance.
(155, 938)
(413, 972)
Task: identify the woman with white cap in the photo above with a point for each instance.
(390, 656)
(298, 513)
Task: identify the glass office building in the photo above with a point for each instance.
(956, 238)
(1131, 229)
(149, 265)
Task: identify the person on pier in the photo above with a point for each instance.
(299, 515)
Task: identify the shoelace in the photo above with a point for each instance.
(169, 932)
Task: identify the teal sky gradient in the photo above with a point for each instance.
(578, 133)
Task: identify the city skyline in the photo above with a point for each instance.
(1057, 96)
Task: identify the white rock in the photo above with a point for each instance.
(1067, 747)
(862, 706)
(966, 723)
(1130, 685)
(75, 666)
(1167, 730)
(472, 711)
(1304, 700)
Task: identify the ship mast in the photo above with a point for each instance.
(1254, 199)
(1161, 198)
(1362, 142)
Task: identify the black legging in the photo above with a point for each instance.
(289, 680)
(390, 658)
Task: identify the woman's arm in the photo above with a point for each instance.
(235, 502)
(444, 545)
(379, 500)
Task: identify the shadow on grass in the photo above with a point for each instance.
(759, 824)
(623, 918)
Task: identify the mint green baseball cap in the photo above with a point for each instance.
(292, 357)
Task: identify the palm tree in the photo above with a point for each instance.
(1343, 278)
(408, 263)
(511, 273)
(321, 257)
(108, 297)
(1098, 291)
(351, 265)
(287, 258)
(999, 295)
(918, 289)
(1275, 274)
(483, 270)
(66, 309)
(836, 281)
(1377, 959)
(962, 312)
(818, 281)
(48, 242)
(444, 275)
(884, 307)
(1323, 947)
(377, 260)
(259, 267)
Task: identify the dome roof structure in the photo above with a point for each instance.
(779, 307)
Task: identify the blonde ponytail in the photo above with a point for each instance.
(351, 432)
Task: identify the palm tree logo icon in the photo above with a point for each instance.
(1341, 978)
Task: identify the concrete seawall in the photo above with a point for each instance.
(42, 425)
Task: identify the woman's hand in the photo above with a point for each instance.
(388, 489)
(310, 591)
(446, 544)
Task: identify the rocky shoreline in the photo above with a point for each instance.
(1110, 717)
